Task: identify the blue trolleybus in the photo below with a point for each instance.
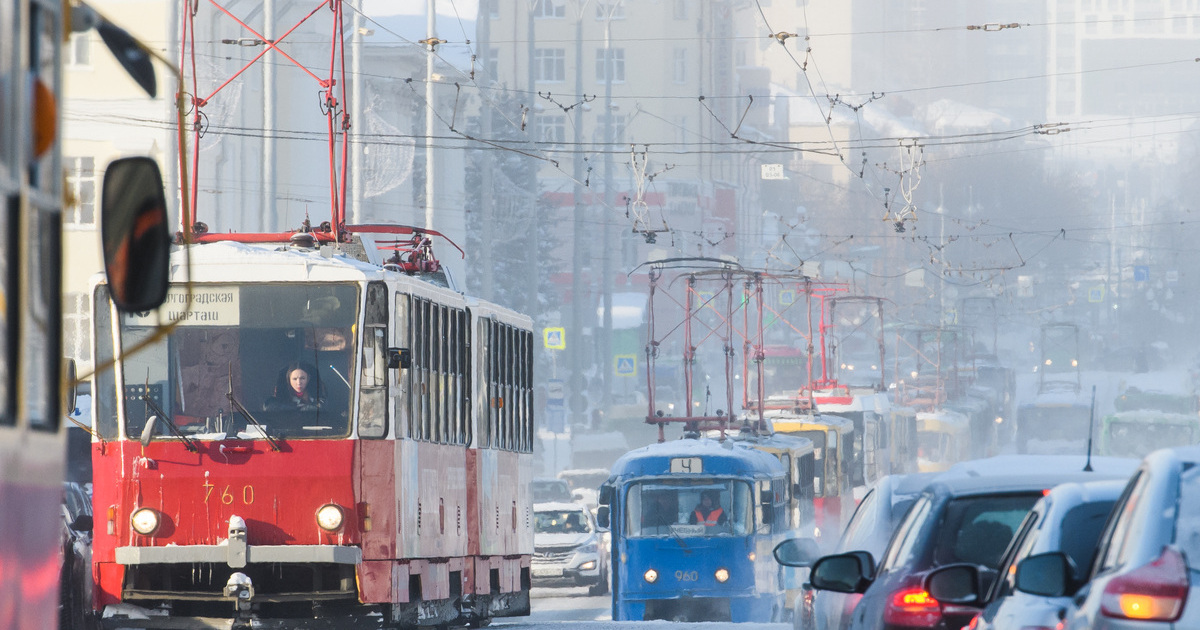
(693, 525)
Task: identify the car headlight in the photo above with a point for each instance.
(329, 517)
(144, 521)
(722, 575)
(651, 576)
(588, 566)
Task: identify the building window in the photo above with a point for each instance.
(549, 9)
(549, 64)
(680, 65)
(79, 50)
(552, 129)
(617, 56)
(613, 9)
(77, 332)
(618, 129)
(81, 184)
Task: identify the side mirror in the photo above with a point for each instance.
(71, 392)
(843, 573)
(1046, 574)
(955, 584)
(602, 514)
(797, 552)
(399, 358)
(133, 229)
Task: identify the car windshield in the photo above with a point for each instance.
(285, 352)
(688, 508)
(547, 490)
(561, 522)
(978, 529)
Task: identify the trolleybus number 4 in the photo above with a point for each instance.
(685, 465)
(227, 497)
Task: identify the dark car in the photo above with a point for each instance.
(966, 519)
(1146, 573)
(75, 601)
(869, 529)
(1070, 520)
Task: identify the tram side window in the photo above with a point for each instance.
(404, 339)
(372, 408)
(509, 384)
(105, 421)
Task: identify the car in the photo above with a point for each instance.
(568, 548)
(963, 517)
(1068, 519)
(546, 489)
(75, 602)
(869, 529)
(1143, 576)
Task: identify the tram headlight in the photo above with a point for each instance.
(651, 576)
(722, 575)
(329, 517)
(144, 521)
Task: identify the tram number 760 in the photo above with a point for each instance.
(228, 496)
(687, 576)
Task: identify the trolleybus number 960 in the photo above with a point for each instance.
(692, 465)
(228, 496)
(687, 576)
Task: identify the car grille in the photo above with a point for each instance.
(553, 554)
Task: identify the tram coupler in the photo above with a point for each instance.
(241, 589)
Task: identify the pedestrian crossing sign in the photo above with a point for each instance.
(555, 338)
(626, 364)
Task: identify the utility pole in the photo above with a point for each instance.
(356, 119)
(606, 279)
(267, 216)
(487, 207)
(578, 305)
(431, 23)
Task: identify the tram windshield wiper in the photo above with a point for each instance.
(238, 406)
(161, 416)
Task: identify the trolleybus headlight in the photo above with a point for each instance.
(144, 521)
(329, 517)
(651, 576)
(722, 575)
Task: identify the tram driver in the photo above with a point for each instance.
(298, 388)
(709, 512)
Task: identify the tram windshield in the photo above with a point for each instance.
(285, 351)
(689, 508)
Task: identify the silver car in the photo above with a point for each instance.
(1146, 573)
(568, 548)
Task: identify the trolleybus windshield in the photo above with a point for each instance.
(248, 339)
(672, 507)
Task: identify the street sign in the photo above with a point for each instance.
(555, 338)
(556, 420)
(772, 171)
(787, 297)
(1096, 294)
(555, 389)
(1141, 273)
(626, 364)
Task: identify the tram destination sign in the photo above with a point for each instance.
(211, 306)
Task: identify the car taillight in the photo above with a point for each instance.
(1156, 591)
(913, 607)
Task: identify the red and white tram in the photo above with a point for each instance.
(390, 488)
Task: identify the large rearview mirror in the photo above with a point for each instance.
(133, 228)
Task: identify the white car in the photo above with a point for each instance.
(568, 548)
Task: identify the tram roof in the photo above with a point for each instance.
(719, 458)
